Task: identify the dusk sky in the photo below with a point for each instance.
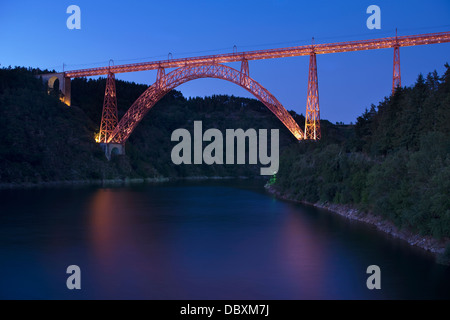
(34, 33)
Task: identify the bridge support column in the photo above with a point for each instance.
(112, 149)
(109, 120)
(160, 78)
(245, 73)
(67, 91)
(64, 85)
(396, 78)
(312, 121)
(109, 113)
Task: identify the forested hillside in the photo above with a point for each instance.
(395, 164)
(44, 140)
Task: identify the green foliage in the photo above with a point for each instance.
(396, 163)
(323, 172)
(44, 140)
(272, 180)
(174, 111)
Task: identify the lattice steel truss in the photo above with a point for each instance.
(165, 83)
(324, 48)
(211, 66)
(312, 121)
(396, 76)
(245, 72)
(109, 114)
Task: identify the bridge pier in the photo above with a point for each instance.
(312, 118)
(111, 149)
(396, 78)
(64, 85)
(109, 113)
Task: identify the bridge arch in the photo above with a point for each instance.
(166, 83)
(49, 80)
(51, 83)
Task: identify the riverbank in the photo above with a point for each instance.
(428, 243)
(67, 183)
(110, 182)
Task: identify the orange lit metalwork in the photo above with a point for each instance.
(160, 78)
(382, 43)
(109, 114)
(396, 77)
(312, 119)
(211, 66)
(181, 75)
(245, 72)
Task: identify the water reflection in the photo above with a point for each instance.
(197, 241)
(303, 255)
(128, 247)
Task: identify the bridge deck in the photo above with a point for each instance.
(381, 43)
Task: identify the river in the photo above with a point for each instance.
(198, 240)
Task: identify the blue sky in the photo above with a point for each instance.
(34, 33)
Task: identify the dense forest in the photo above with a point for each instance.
(44, 140)
(395, 163)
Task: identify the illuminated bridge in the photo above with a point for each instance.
(115, 133)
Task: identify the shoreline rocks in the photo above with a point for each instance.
(427, 243)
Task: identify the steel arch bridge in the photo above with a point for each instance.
(114, 134)
(165, 83)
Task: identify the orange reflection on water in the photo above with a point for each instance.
(302, 256)
(126, 248)
(102, 223)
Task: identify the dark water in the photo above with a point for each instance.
(226, 240)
